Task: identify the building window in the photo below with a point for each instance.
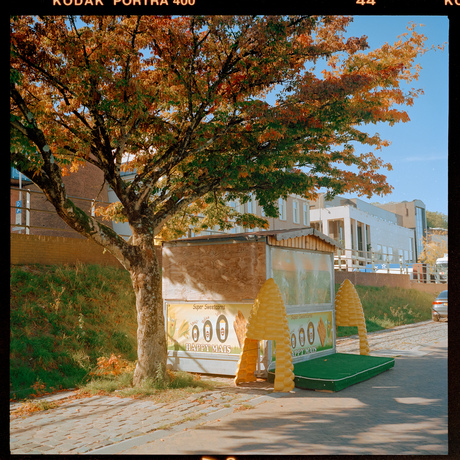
(336, 231)
(305, 214)
(420, 226)
(282, 208)
(295, 212)
(251, 205)
(384, 253)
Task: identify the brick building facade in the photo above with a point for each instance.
(82, 187)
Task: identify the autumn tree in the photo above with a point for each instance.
(182, 103)
(434, 247)
(436, 219)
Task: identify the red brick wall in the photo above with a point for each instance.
(85, 183)
(53, 250)
(387, 279)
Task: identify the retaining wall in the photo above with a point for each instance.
(56, 250)
(387, 279)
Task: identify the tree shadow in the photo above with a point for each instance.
(400, 411)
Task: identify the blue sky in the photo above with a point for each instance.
(419, 148)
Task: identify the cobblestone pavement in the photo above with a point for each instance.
(399, 341)
(108, 424)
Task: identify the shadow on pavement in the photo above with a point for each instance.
(401, 411)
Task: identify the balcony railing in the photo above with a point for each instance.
(377, 262)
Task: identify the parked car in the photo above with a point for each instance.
(439, 308)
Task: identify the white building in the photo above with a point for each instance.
(363, 229)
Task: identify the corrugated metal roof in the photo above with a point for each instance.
(255, 236)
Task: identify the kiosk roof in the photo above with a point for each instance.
(256, 236)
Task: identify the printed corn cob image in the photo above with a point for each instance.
(240, 327)
(183, 330)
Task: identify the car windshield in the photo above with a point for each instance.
(443, 295)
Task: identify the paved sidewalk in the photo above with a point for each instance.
(398, 412)
(111, 425)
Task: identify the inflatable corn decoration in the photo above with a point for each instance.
(267, 321)
(349, 312)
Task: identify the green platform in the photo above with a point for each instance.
(336, 371)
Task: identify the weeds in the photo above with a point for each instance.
(29, 407)
(115, 376)
(62, 319)
(243, 407)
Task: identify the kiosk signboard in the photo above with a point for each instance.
(204, 327)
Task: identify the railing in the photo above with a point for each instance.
(376, 262)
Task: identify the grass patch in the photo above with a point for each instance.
(386, 307)
(62, 319)
(166, 388)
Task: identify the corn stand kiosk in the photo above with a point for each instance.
(210, 284)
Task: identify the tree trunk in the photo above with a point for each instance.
(151, 335)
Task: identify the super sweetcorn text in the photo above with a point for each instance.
(123, 2)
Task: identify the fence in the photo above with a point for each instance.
(351, 260)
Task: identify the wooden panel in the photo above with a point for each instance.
(214, 272)
(310, 242)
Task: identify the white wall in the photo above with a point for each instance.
(382, 232)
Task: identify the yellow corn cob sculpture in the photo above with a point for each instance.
(349, 312)
(267, 321)
(247, 362)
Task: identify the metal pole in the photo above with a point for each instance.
(20, 204)
(27, 212)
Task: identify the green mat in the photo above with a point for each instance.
(336, 371)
